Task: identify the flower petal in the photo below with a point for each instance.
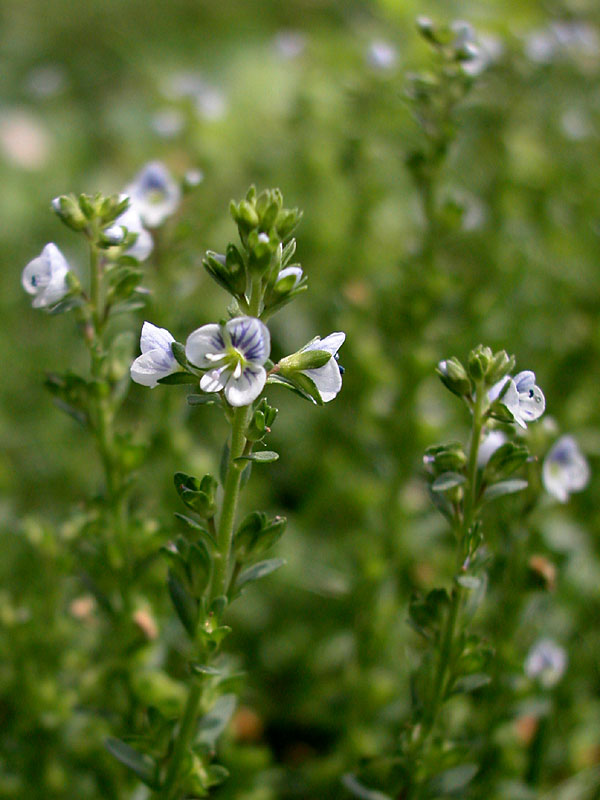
(331, 344)
(155, 338)
(532, 403)
(214, 380)
(327, 379)
(251, 337)
(206, 339)
(524, 380)
(244, 390)
(150, 367)
(36, 275)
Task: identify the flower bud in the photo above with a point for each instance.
(445, 458)
(67, 208)
(303, 359)
(454, 376)
(480, 360)
(502, 364)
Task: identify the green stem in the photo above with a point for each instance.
(442, 675)
(186, 731)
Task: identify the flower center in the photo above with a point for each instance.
(236, 361)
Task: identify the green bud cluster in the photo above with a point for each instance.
(261, 422)
(483, 368)
(198, 495)
(257, 534)
(445, 458)
(89, 211)
(264, 225)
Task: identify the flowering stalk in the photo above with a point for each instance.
(211, 565)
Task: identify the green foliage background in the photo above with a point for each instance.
(514, 264)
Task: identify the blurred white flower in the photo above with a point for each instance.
(154, 194)
(546, 662)
(560, 39)
(565, 469)
(130, 219)
(490, 443)
(211, 103)
(168, 122)
(524, 400)
(24, 140)
(45, 277)
(47, 80)
(290, 44)
(157, 359)
(488, 50)
(382, 55)
(234, 355)
(193, 177)
(328, 378)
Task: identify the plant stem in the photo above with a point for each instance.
(442, 675)
(182, 742)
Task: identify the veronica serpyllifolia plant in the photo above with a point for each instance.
(209, 567)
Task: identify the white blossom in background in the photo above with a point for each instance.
(157, 359)
(211, 103)
(131, 220)
(25, 141)
(168, 122)
(193, 177)
(524, 400)
(382, 55)
(46, 81)
(154, 194)
(489, 444)
(565, 469)
(328, 378)
(290, 44)
(234, 356)
(45, 277)
(574, 39)
(546, 662)
(488, 50)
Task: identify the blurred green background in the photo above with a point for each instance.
(302, 95)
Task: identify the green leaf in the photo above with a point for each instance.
(262, 457)
(204, 534)
(447, 480)
(212, 725)
(303, 386)
(502, 488)
(184, 604)
(143, 766)
(453, 780)
(469, 581)
(216, 774)
(176, 378)
(358, 790)
(470, 683)
(204, 669)
(200, 562)
(258, 571)
(203, 399)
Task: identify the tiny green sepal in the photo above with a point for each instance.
(303, 359)
(178, 351)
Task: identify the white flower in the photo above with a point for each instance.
(154, 194)
(157, 359)
(46, 277)
(130, 219)
(565, 469)
(290, 44)
(490, 443)
(328, 378)
(524, 400)
(546, 662)
(234, 355)
(382, 55)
